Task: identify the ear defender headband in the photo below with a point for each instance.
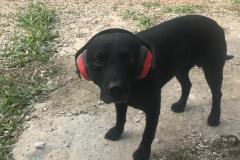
(83, 67)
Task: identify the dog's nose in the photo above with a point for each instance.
(116, 89)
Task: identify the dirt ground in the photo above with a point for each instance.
(71, 123)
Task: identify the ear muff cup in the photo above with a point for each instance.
(146, 62)
(82, 65)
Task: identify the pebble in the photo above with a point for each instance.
(27, 118)
(137, 119)
(62, 112)
(51, 129)
(100, 103)
(141, 112)
(40, 144)
(67, 145)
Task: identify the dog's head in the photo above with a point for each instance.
(113, 59)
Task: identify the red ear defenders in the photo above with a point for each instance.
(83, 67)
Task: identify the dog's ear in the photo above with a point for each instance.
(146, 59)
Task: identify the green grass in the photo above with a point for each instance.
(184, 9)
(37, 21)
(128, 14)
(236, 2)
(150, 4)
(18, 86)
(143, 21)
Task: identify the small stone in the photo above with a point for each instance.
(62, 112)
(67, 145)
(40, 145)
(100, 103)
(91, 113)
(25, 127)
(70, 78)
(51, 129)
(43, 72)
(140, 112)
(192, 97)
(137, 119)
(65, 44)
(27, 118)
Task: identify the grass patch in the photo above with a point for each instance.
(128, 14)
(236, 2)
(143, 21)
(37, 21)
(21, 84)
(149, 5)
(184, 9)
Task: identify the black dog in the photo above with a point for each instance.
(131, 69)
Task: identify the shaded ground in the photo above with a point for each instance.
(72, 122)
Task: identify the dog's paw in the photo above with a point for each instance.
(113, 134)
(141, 154)
(213, 120)
(177, 107)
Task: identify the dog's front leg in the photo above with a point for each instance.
(144, 149)
(116, 132)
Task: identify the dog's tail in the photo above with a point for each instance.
(228, 57)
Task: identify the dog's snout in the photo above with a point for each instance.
(117, 92)
(116, 89)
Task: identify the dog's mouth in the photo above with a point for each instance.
(109, 99)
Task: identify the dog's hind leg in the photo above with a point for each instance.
(183, 79)
(214, 77)
(116, 132)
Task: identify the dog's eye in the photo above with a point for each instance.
(98, 62)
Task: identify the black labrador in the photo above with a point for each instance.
(131, 69)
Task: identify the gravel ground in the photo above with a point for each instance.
(72, 122)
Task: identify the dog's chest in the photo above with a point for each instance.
(144, 95)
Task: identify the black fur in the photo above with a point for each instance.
(114, 57)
